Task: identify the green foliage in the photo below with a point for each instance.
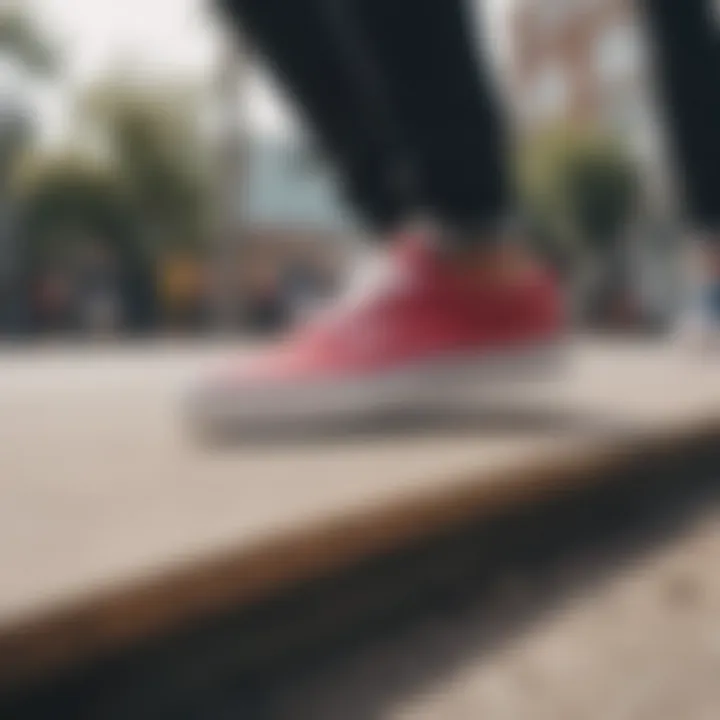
(15, 136)
(581, 188)
(20, 39)
(68, 199)
(153, 139)
(70, 202)
(139, 187)
(22, 45)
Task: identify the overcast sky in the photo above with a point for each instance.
(163, 36)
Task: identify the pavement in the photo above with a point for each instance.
(116, 524)
(594, 637)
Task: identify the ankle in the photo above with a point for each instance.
(495, 262)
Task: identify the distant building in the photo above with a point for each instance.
(294, 229)
(288, 185)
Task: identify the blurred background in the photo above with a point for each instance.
(153, 181)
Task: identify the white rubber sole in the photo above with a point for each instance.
(465, 379)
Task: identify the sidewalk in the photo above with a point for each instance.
(114, 526)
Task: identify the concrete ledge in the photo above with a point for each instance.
(476, 477)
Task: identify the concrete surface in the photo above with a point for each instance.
(108, 509)
(639, 642)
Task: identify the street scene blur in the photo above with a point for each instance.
(161, 186)
(358, 360)
(130, 182)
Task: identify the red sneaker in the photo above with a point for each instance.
(423, 327)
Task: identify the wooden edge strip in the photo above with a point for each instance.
(96, 627)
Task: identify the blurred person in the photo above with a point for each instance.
(99, 297)
(300, 287)
(52, 301)
(686, 42)
(699, 323)
(181, 286)
(307, 287)
(266, 302)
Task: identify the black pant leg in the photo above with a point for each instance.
(339, 97)
(685, 39)
(442, 91)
